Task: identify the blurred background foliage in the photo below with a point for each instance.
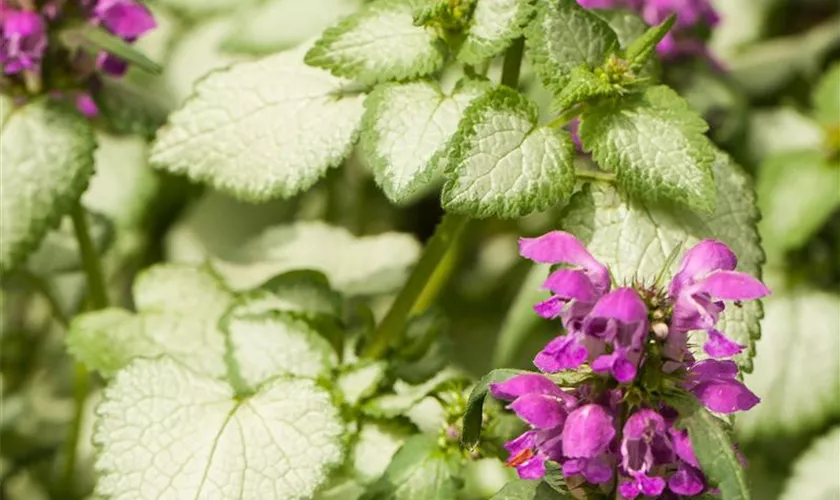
(766, 106)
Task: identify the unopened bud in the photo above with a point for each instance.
(660, 330)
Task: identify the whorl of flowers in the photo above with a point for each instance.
(694, 19)
(615, 428)
(27, 44)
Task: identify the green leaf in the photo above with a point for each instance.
(473, 416)
(815, 472)
(47, 153)
(277, 443)
(501, 163)
(305, 291)
(655, 144)
(180, 307)
(779, 130)
(495, 25)
(101, 39)
(202, 8)
(564, 36)
(628, 26)
(124, 186)
(131, 108)
(794, 373)
(405, 131)
(713, 449)
(826, 98)
(789, 218)
(273, 343)
(406, 396)
(583, 85)
(523, 489)
(361, 380)
(355, 266)
(635, 238)
(273, 25)
(378, 44)
(640, 51)
(418, 471)
(260, 130)
(375, 446)
(59, 250)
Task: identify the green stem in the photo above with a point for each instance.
(513, 63)
(90, 259)
(566, 116)
(98, 300)
(595, 175)
(393, 325)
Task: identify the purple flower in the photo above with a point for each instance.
(644, 444)
(23, 40)
(707, 275)
(587, 435)
(128, 20)
(86, 105)
(620, 319)
(715, 384)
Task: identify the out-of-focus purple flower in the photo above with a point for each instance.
(715, 384)
(86, 106)
(125, 18)
(23, 40)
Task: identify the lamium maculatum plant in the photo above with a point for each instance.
(262, 249)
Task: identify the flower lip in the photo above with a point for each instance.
(558, 247)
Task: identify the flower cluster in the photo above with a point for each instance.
(694, 17)
(25, 40)
(616, 427)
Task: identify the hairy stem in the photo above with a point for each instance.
(393, 325)
(98, 299)
(512, 63)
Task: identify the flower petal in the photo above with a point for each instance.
(524, 441)
(519, 385)
(651, 486)
(623, 369)
(701, 259)
(597, 471)
(533, 468)
(713, 369)
(587, 432)
(562, 353)
(623, 304)
(720, 346)
(571, 284)
(540, 410)
(629, 489)
(561, 247)
(725, 396)
(687, 481)
(549, 308)
(732, 285)
(682, 446)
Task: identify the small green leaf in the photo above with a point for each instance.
(360, 380)
(47, 153)
(406, 396)
(375, 446)
(634, 239)
(501, 163)
(714, 450)
(279, 442)
(564, 36)
(584, 84)
(815, 472)
(272, 25)
(405, 131)
(473, 416)
(262, 129)
(494, 26)
(378, 44)
(103, 40)
(794, 373)
(789, 218)
(523, 489)
(640, 51)
(418, 471)
(826, 98)
(655, 144)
